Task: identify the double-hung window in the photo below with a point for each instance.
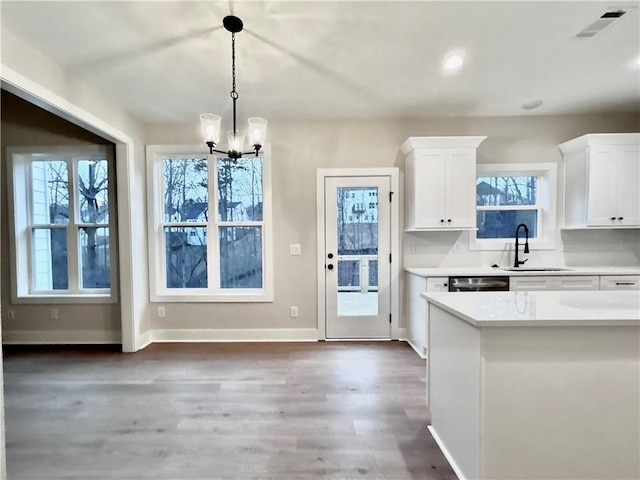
(510, 194)
(61, 223)
(210, 236)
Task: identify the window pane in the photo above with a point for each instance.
(348, 275)
(493, 191)
(93, 187)
(50, 192)
(240, 190)
(185, 194)
(241, 257)
(94, 257)
(186, 257)
(50, 259)
(503, 223)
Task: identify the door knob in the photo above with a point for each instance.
(330, 266)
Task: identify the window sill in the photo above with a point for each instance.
(64, 299)
(208, 298)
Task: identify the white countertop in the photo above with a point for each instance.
(542, 308)
(488, 271)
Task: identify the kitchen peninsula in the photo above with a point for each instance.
(536, 385)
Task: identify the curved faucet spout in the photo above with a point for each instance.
(517, 262)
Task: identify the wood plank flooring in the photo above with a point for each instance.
(353, 410)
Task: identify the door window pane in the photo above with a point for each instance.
(94, 257)
(357, 230)
(49, 192)
(239, 190)
(185, 190)
(50, 259)
(186, 257)
(93, 185)
(240, 257)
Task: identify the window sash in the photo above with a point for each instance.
(156, 155)
(24, 224)
(545, 205)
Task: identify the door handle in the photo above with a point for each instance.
(330, 266)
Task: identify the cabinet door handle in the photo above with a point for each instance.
(625, 283)
(613, 218)
(442, 220)
(620, 218)
(449, 220)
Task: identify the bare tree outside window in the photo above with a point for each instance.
(503, 202)
(52, 217)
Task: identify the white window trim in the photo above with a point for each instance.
(547, 197)
(158, 291)
(19, 197)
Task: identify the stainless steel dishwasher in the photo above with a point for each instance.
(478, 284)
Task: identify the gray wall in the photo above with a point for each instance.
(300, 148)
(23, 124)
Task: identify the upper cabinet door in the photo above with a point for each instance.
(461, 188)
(430, 184)
(628, 185)
(602, 179)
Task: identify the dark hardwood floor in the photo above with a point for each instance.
(352, 410)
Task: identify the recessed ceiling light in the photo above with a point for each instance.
(531, 105)
(453, 61)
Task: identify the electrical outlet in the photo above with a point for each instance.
(295, 249)
(11, 314)
(161, 312)
(294, 311)
(53, 314)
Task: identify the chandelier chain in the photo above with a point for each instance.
(234, 94)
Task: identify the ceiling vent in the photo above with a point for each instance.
(599, 25)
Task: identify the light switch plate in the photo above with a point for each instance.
(295, 249)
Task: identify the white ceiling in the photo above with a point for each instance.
(169, 61)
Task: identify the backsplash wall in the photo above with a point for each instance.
(573, 248)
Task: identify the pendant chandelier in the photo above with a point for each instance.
(210, 122)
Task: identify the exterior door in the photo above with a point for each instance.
(357, 257)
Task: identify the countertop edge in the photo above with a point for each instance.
(427, 272)
(547, 322)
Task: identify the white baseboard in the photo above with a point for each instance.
(419, 351)
(402, 334)
(60, 337)
(144, 340)
(236, 335)
(446, 453)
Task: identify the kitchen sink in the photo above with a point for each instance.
(536, 269)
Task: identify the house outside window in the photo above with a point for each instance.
(210, 238)
(510, 194)
(61, 223)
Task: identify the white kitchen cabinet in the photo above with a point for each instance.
(417, 331)
(620, 282)
(440, 182)
(570, 282)
(602, 180)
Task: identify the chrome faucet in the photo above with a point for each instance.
(517, 262)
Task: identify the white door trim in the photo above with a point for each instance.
(394, 176)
